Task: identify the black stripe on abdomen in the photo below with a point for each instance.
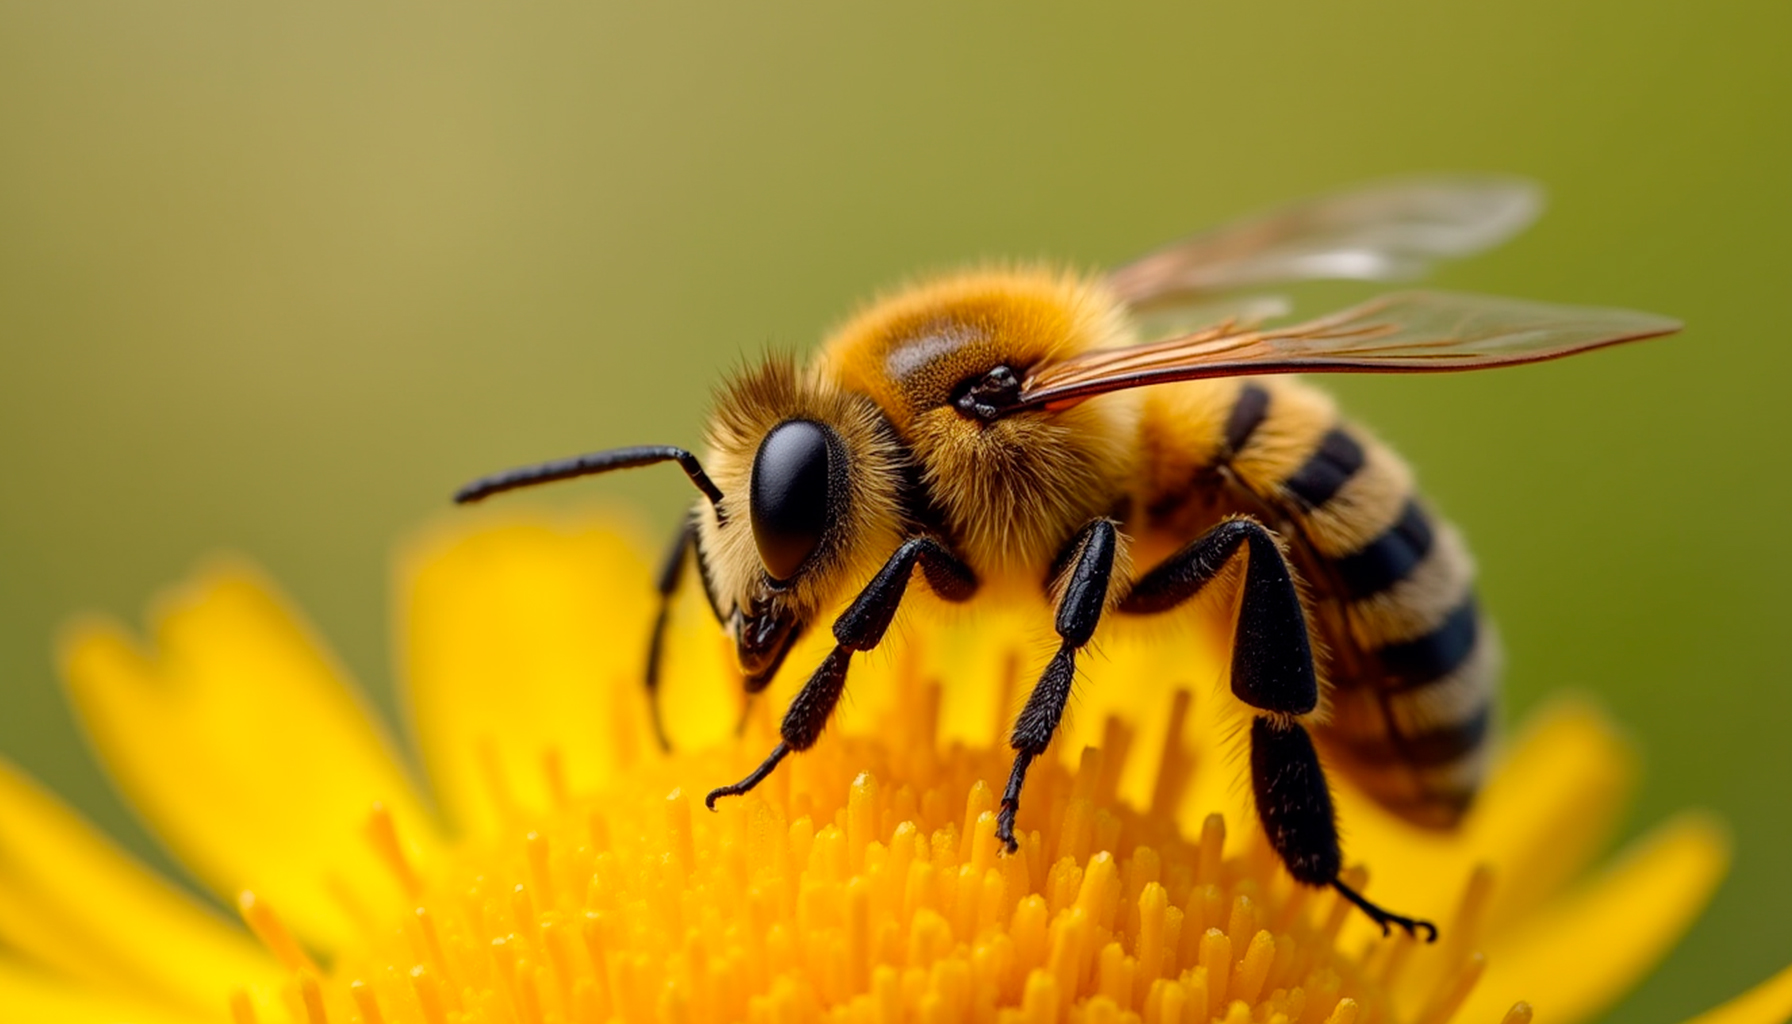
(1426, 659)
(1432, 748)
(1247, 414)
(1327, 470)
(1446, 745)
(1389, 558)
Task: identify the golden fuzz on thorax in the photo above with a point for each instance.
(910, 350)
(966, 322)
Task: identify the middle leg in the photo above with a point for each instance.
(1091, 557)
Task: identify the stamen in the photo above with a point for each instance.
(1216, 960)
(1344, 1013)
(979, 801)
(1453, 993)
(1471, 914)
(535, 851)
(242, 1011)
(367, 1003)
(1199, 1006)
(1520, 1013)
(1241, 926)
(1251, 972)
(1213, 845)
(313, 995)
(1116, 742)
(382, 832)
(1154, 911)
(429, 996)
(1039, 1002)
(522, 912)
(428, 940)
(273, 934)
(1175, 766)
(553, 770)
(528, 1003)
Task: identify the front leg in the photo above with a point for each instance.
(860, 628)
(1273, 673)
(1091, 556)
(671, 574)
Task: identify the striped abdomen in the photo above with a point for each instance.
(1411, 665)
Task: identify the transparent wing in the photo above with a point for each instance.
(1385, 231)
(1407, 332)
(1167, 319)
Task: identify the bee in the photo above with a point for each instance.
(1013, 426)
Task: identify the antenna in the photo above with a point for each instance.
(588, 464)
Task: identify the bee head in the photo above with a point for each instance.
(820, 474)
(799, 483)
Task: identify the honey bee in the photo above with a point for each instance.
(1010, 425)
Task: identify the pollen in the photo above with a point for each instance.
(862, 883)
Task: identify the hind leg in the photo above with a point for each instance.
(1273, 673)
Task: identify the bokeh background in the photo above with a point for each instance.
(274, 280)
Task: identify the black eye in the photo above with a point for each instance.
(790, 511)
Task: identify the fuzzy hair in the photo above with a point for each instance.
(870, 524)
(1012, 492)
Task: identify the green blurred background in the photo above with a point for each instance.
(275, 280)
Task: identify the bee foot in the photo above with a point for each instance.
(1410, 925)
(755, 778)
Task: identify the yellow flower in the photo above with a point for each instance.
(568, 873)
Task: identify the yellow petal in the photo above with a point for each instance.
(238, 743)
(1580, 953)
(1551, 803)
(71, 900)
(525, 640)
(1767, 1003)
(28, 995)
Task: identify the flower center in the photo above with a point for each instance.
(832, 893)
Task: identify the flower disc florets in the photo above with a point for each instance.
(833, 894)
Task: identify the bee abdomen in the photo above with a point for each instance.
(1417, 736)
(1412, 667)
(1415, 666)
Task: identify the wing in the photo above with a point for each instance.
(1386, 231)
(1407, 332)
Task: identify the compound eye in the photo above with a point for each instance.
(789, 506)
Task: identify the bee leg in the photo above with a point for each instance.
(1091, 557)
(1272, 671)
(671, 574)
(859, 628)
(1295, 805)
(1272, 659)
